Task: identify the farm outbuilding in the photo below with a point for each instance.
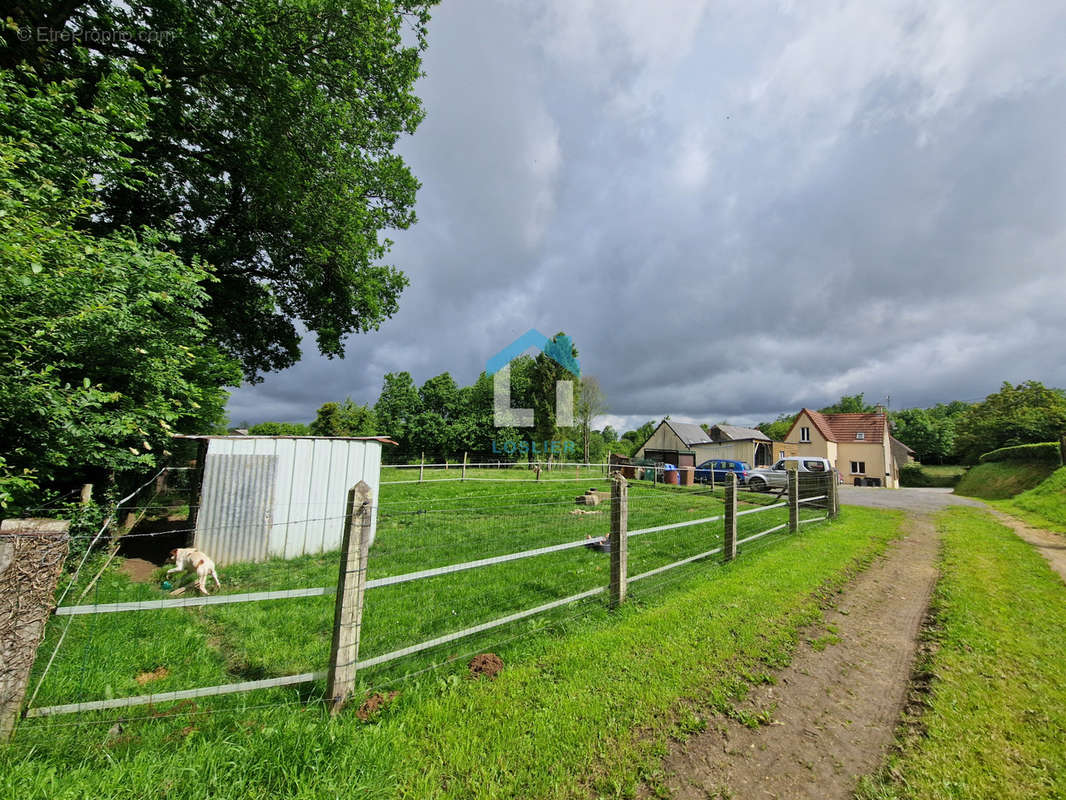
(687, 443)
(263, 497)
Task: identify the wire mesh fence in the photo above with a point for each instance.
(458, 566)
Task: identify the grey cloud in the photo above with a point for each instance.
(757, 212)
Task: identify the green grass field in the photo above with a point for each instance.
(1044, 505)
(545, 727)
(997, 718)
(998, 480)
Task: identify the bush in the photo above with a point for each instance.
(1043, 452)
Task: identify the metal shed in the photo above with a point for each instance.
(264, 497)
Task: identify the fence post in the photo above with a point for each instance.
(618, 538)
(421, 466)
(834, 494)
(31, 558)
(351, 584)
(463, 478)
(86, 494)
(1062, 449)
(793, 500)
(729, 550)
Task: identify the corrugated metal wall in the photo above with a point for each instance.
(267, 497)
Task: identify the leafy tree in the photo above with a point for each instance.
(779, 428)
(589, 403)
(280, 429)
(849, 404)
(271, 152)
(344, 419)
(104, 352)
(1022, 414)
(609, 434)
(640, 435)
(547, 371)
(397, 406)
(931, 436)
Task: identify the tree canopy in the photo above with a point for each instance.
(104, 345)
(270, 152)
(1025, 413)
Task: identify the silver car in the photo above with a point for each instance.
(776, 477)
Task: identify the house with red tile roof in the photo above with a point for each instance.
(860, 445)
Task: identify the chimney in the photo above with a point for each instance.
(879, 409)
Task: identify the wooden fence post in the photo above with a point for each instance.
(834, 496)
(421, 466)
(351, 584)
(463, 478)
(31, 558)
(1062, 449)
(86, 494)
(618, 538)
(729, 549)
(793, 500)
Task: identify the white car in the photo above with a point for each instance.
(776, 477)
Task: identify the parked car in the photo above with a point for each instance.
(720, 468)
(776, 477)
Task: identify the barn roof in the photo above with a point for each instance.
(689, 432)
(737, 433)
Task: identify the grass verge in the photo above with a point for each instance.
(585, 710)
(999, 480)
(997, 715)
(1044, 505)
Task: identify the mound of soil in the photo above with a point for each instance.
(138, 570)
(488, 664)
(373, 704)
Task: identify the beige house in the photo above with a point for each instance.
(860, 445)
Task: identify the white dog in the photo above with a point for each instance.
(186, 559)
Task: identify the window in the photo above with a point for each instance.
(805, 434)
(860, 435)
(858, 467)
(814, 466)
(782, 454)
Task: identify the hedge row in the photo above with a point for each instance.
(912, 475)
(1045, 452)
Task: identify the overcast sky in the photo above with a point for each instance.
(735, 209)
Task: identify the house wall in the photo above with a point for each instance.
(872, 453)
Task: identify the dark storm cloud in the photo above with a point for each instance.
(758, 209)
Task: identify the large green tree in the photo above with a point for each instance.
(395, 410)
(271, 151)
(1023, 414)
(104, 347)
(344, 419)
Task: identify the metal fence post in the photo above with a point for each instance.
(618, 537)
(793, 500)
(351, 584)
(31, 558)
(729, 550)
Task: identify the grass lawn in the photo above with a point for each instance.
(1044, 505)
(997, 718)
(999, 480)
(581, 705)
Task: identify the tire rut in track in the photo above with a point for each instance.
(835, 709)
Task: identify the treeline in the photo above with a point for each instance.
(442, 420)
(959, 432)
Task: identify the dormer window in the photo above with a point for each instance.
(860, 435)
(805, 434)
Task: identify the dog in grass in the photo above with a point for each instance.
(187, 559)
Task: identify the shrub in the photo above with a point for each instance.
(1043, 452)
(914, 475)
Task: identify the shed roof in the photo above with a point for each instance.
(689, 432)
(382, 439)
(737, 433)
